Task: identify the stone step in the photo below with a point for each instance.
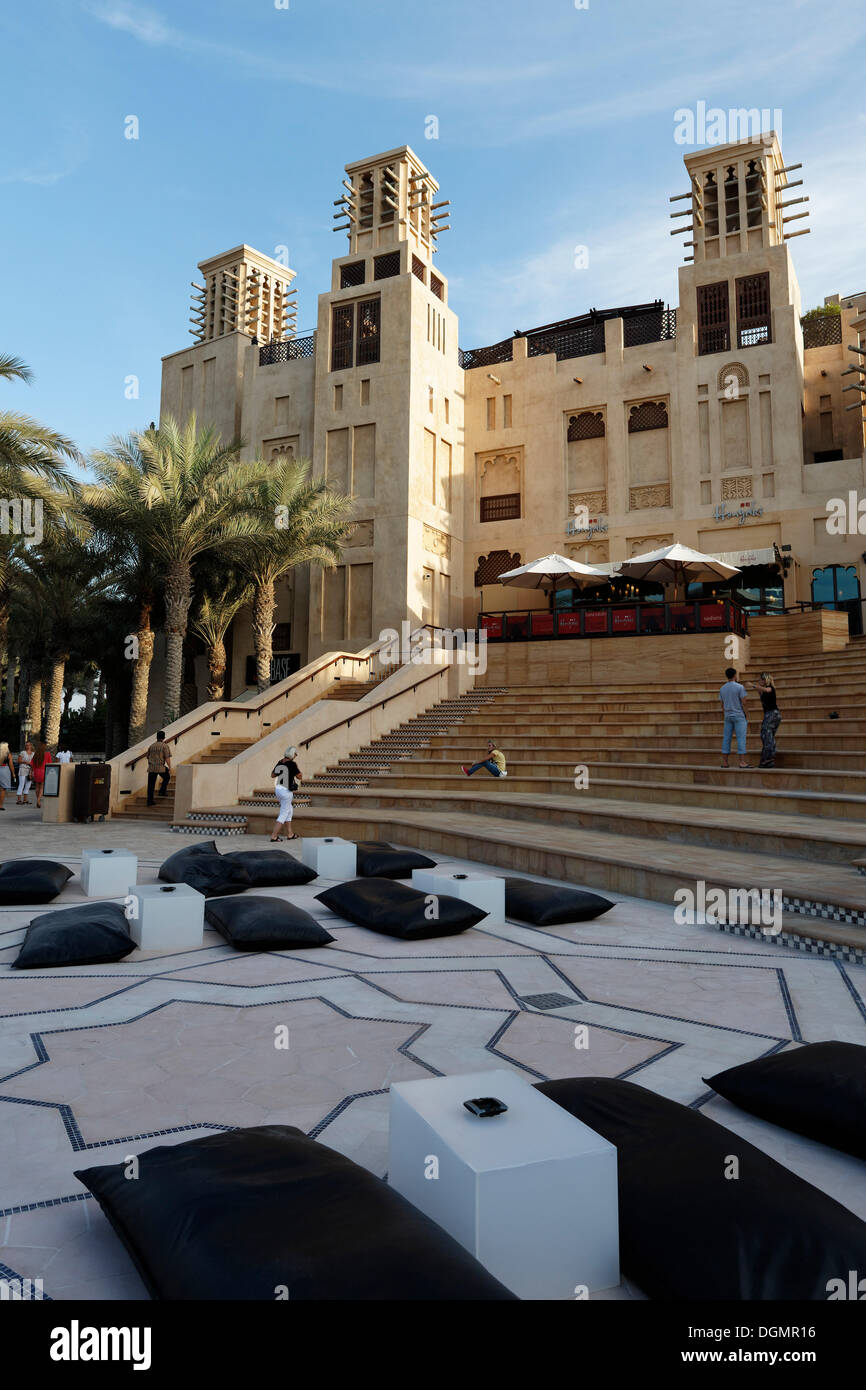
(828, 901)
(787, 835)
(602, 749)
(652, 725)
(733, 795)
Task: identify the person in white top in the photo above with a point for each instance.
(25, 758)
(63, 754)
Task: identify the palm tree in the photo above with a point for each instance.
(60, 580)
(107, 508)
(32, 468)
(180, 493)
(219, 601)
(299, 522)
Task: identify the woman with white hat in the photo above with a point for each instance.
(286, 777)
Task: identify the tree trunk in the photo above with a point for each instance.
(216, 660)
(100, 693)
(34, 706)
(9, 702)
(263, 631)
(90, 684)
(178, 596)
(53, 703)
(141, 677)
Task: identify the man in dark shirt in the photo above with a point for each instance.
(158, 765)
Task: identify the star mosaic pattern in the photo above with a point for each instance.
(103, 1062)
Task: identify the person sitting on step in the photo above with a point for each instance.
(494, 762)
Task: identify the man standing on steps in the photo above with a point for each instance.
(158, 765)
(733, 697)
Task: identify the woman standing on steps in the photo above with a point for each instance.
(772, 719)
(286, 777)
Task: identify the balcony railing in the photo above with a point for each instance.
(582, 336)
(290, 350)
(823, 331)
(615, 620)
(486, 356)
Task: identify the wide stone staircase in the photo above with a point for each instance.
(620, 787)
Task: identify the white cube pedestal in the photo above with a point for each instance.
(167, 917)
(108, 873)
(484, 890)
(531, 1193)
(331, 857)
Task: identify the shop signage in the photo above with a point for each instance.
(720, 513)
(596, 526)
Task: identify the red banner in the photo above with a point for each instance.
(712, 615)
(541, 624)
(568, 622)
(595, 619)
(625, 620)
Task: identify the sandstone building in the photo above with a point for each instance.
(721, 423)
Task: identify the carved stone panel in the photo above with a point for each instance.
(285, 447)
(734, 488)
(641, 545)
(436, 542)
(656, 495)
(360, 534)
(595, 502)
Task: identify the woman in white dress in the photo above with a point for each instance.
(7, 772)
(25, 758)
(286, 777)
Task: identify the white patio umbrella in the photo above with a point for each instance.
(676, 563)
(553, 572)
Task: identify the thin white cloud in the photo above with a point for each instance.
(67, 155)
(397, 79)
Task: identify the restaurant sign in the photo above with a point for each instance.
(745, 509)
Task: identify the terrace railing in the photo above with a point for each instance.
(615, 620)
(289, 350)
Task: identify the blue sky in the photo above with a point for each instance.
(556, 130)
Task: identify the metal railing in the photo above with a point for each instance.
(289, 350)
(825, 330)
(581, 336)
(486, 356)
(615, 620)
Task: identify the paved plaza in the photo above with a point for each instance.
(105, 1061)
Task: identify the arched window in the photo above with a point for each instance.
(711, 205)
(588, 425)
(732, 200)
(649, 415)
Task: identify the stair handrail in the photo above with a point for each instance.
(227, 706)
(375, 704)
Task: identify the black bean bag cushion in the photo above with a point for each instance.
(264, 924)
(818, 1090)
(378, 859)
(205, 869)
(395, 909)
(690, 1230)
(88, 935)
(263, 1212)
(549, 905)
(271, 868)
(31, 880)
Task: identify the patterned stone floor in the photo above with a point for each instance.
(106, 1061)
